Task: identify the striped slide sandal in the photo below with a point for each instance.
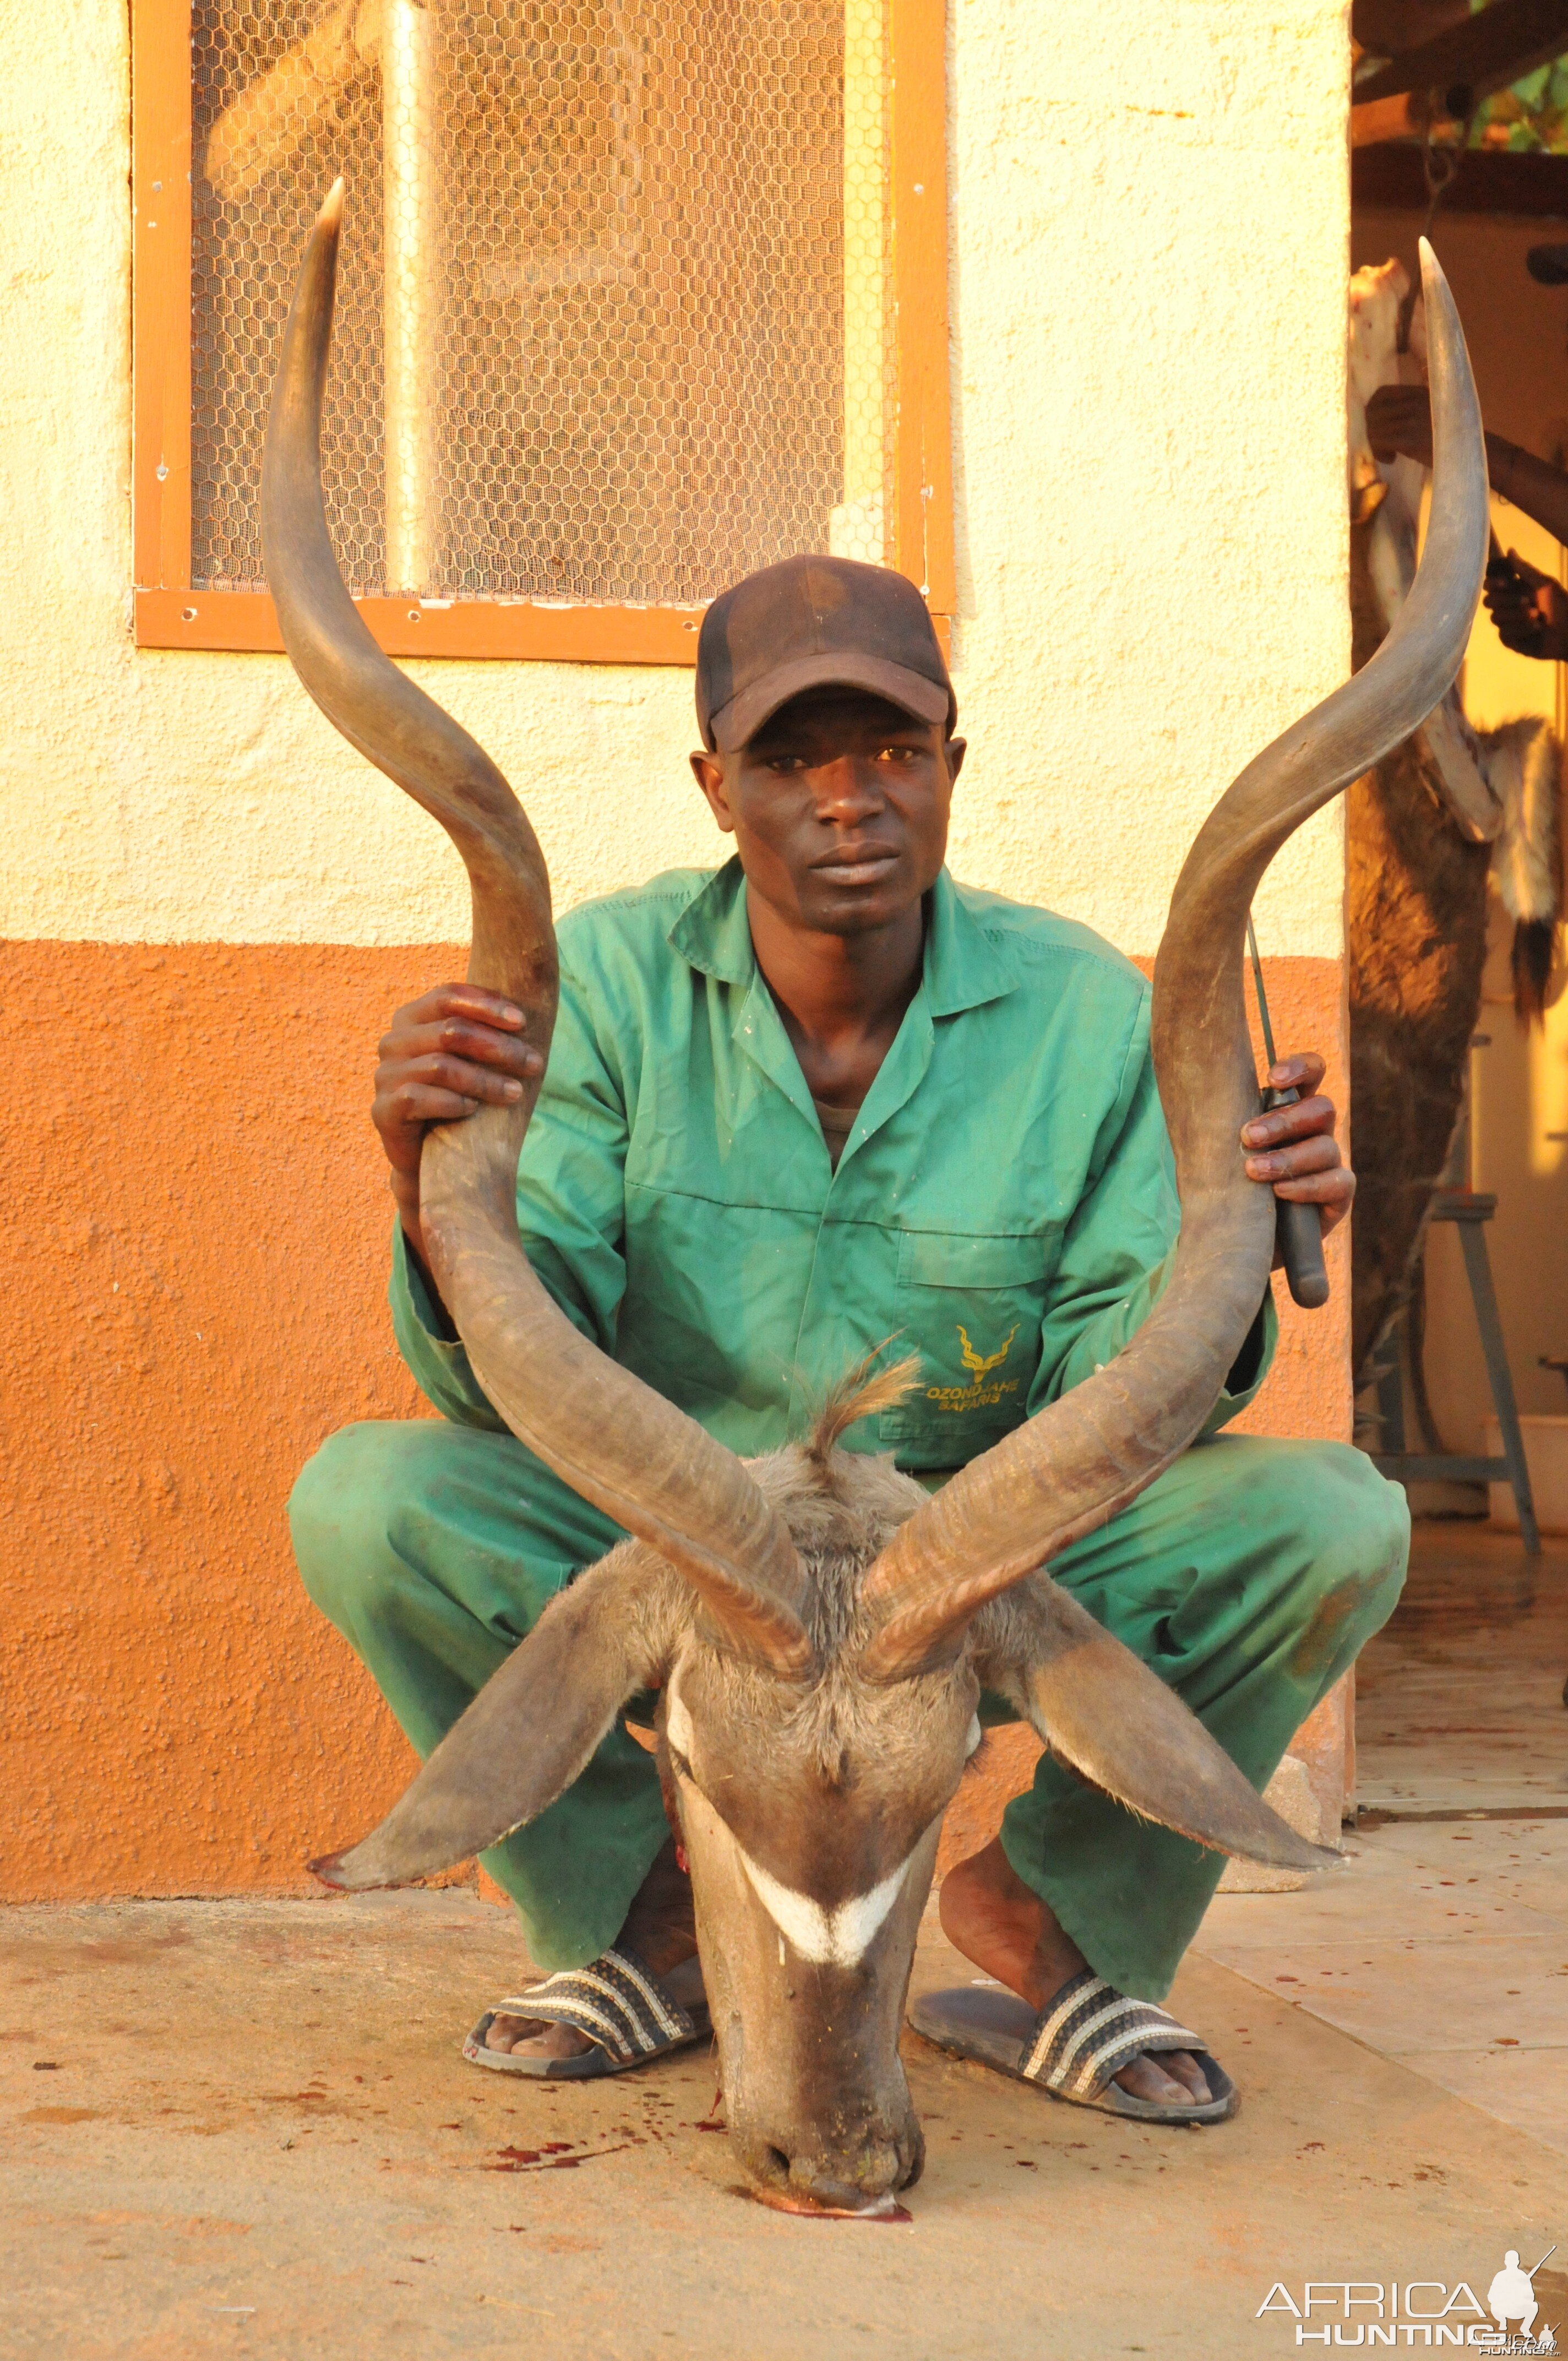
(619, 2005)
(1075, 2046)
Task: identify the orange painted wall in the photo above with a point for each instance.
(193, 1280)
(194, 1297)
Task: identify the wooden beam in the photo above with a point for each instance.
(923, 503)
(1485, 53)
(160, 282)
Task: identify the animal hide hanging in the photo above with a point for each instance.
(1386, 499)
(1420, 834)
(1522, 763)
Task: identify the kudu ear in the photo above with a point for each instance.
(528, 1734)
(1113, 1721)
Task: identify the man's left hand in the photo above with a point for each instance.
(1529, 608)
(1293, 1149)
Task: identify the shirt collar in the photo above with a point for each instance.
(712, 932)
(966, 965)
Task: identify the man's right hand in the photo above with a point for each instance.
(1398, 423)
(446, 1056)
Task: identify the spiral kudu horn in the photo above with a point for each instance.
(1083, 1457)
(614, 1440)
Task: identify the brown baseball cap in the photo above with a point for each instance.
(809, 623)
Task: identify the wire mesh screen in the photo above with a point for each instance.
(595, 339)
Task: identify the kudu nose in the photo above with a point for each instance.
(852, 2179)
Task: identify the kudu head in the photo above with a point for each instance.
(818, 1628)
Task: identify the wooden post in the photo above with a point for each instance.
(858, 524)
(410, 103)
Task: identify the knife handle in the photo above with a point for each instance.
(1299, 1232)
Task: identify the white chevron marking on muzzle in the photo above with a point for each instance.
(840, 1937)
(836, 1938)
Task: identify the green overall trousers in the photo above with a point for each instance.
(1005, 1207)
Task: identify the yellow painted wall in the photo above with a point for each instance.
(1147, 283)
(213, 904)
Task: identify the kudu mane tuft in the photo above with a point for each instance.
(858, 1395)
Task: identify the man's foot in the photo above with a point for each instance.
(993, 1918)
(528, 2037)
(531, 2037)
(660, 1929)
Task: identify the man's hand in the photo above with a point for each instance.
(1529, 608)
(1398, 423)
(1294, 1147)
(456, 1049)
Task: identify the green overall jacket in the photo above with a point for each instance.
(1005, 1206)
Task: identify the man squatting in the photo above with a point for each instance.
(824, 1097)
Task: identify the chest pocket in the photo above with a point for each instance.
(971, 1308)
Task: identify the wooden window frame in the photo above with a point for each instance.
(170, 614)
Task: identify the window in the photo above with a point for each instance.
(636, 295)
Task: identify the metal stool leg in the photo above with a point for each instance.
(1391, 1394)
(1478, 1271)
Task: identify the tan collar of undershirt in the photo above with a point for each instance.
(837, 1123)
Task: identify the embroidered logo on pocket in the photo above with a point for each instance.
(977, 1394)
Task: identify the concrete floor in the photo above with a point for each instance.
(1444, 1940)
(1459, 1703)
(244, 2128)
